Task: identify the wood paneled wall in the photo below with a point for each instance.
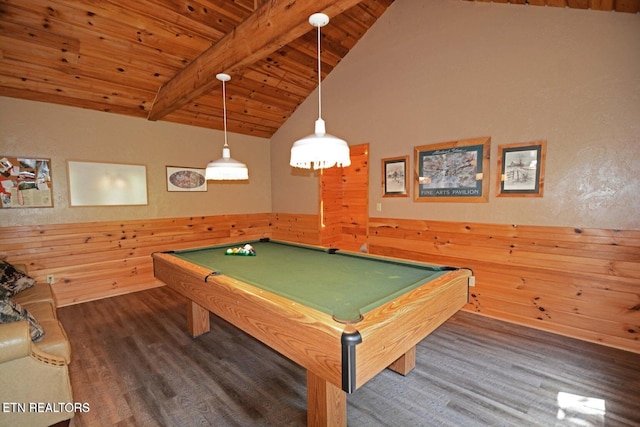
(355, 199)
(583, 283)
(331, 206)
(301, 228)
(97, 260)
(345, 202)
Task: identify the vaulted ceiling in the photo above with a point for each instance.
(157, 59)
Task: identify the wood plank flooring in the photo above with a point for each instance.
(136, 365)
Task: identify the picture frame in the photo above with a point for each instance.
(454, 171)
(25, 182)
(186, 179)
(521, 169)
(394, 176)
(106, 184)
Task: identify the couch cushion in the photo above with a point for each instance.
(55, 341)
(11, 311)
(12, 280)
(40, 292)
(40, 310)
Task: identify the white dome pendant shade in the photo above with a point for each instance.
(319, 150)
(225, 168)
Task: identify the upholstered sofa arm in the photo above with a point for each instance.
(47, 358)
(29, 375)
(15, 340)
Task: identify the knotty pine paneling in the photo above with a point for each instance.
(345, 201)
(97, 260)
(331, 206)
(301, 228)
(629, 6)
(583, 283)
(355, 199)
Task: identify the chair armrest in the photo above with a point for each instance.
(15, 340)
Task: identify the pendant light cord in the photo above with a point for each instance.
(319, 79)
(224, 112)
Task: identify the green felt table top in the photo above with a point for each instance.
(345, 285)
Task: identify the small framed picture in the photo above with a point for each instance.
(521, 169)
(394, 176)
(185, 179)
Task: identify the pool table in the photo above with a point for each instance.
(343, 316)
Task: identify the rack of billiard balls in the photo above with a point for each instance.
(246, 250)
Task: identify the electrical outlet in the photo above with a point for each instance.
(472, 280)
(51, 279)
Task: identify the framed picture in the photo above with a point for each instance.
(521, 169)
(185, 179)
(394, 176)
(106, 184)
(25, 182)
(455, 171)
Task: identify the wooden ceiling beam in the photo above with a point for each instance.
(273, 25)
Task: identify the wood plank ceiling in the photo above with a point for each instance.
(157, 59)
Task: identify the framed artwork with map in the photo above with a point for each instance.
(455, 171)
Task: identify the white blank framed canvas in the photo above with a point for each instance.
(106, 184)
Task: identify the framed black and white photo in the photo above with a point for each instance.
(521, 169)
(394, 176)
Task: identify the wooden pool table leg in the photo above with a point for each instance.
(326, 403)
(197, 319)
(405, 363)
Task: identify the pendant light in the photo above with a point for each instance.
(226, 168)
(319, 150)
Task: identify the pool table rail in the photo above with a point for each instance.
(391, 331)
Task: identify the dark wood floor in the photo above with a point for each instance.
(136, 365)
